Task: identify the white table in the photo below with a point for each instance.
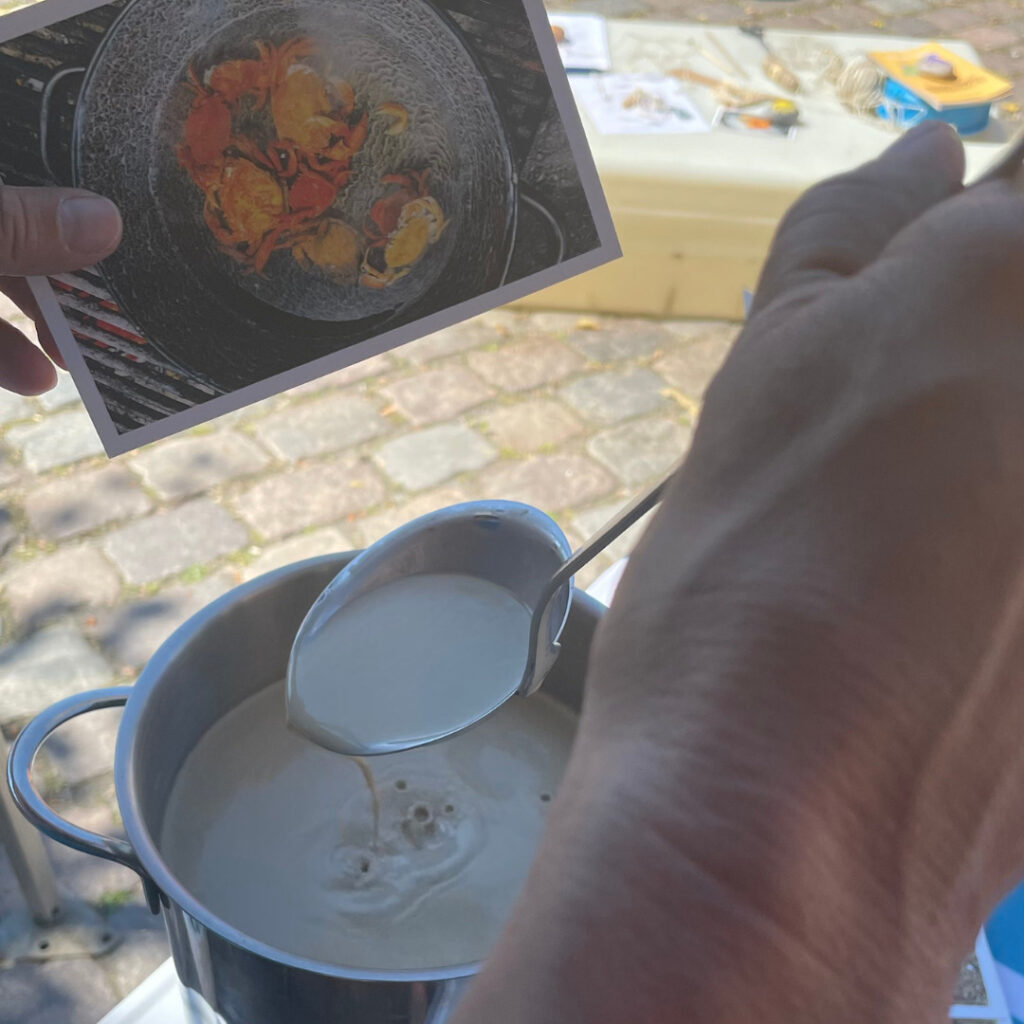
(695, 213)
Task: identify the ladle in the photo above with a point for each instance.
(396, 694)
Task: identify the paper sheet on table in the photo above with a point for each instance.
(638, 105)
(582, 41)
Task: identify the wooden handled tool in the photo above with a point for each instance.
(773, 67)
(726, 93)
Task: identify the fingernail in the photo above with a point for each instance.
(89, 225)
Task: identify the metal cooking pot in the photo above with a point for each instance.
(192, 302)
(232, 649)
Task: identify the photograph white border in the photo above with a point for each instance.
(47, 12)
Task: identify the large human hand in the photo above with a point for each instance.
(45, 231)
(799, 776)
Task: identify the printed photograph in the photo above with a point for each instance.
(303, 184)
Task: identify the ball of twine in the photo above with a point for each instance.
(860, 87)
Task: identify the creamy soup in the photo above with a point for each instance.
(276, 835)
(408, 662)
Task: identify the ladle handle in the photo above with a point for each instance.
(532, 678)
(45, 117)
(31, 803)
(609, 532)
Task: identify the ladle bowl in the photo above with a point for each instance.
(511, 545)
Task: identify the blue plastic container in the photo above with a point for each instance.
(912, 109)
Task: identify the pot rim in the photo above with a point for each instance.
(144, 844)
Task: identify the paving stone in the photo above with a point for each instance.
(899, 7)
(587, 522)
(64, 393)
(450, 341)
(526, 365)
(375, 366)
(431, 456)
(314, 495)
(322, 426)
(549, 482)
(846, 17)
(13, 407)
(130, 634)
(989, 37)
(702, 330)
(617, 340)
(55, 441)
(9, 471)
(45, 667)
(327, 541)
(613, 396)
(691, 367)
(172, 540)
(52, 585)
(85, 501)
(435, 395)
(640, 450)
(90, 879)
(144, 947)
(373, 527)
(1000, 11)
(83, 748)
(530, 426)
(59, 992)
(951, 19)
(719, 13)
(183, 466)
(913, 27)
(8, 530)
(552, 322)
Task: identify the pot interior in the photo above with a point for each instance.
(230, 652)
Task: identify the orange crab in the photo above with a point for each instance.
(400, 227)
(244, 211)
(316, 112)
(309, 109)
(234, 79)
(207, 134)
(308, 193)
(209, 128)
(335, 248)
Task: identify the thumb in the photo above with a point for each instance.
(843, 224)
(51, 230)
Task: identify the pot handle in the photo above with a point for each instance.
(38, 811)
(44, 118)
(530, 199)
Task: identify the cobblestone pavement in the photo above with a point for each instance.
(100, 560)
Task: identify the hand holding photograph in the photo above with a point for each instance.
(303, 184)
